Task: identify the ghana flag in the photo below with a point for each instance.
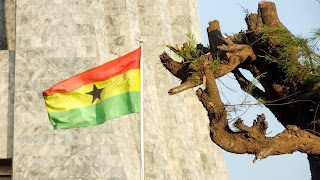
(97, 95)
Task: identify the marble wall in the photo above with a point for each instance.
(4, 81)
(7, 70)
(56, 39)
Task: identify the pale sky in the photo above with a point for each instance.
(301, 18)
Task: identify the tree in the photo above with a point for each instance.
(286, 66)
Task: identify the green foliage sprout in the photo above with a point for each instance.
(307, 68)
(192, 42)
(189, 52)
(245, 10)
(216, 61)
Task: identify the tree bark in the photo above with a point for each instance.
(314, 162)
(293, 102)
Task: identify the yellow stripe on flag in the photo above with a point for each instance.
(123, 83)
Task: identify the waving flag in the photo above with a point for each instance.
(97, 95)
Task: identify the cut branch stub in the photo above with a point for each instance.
(268, 12)
(254, 23)
(205, 50)
(258, 129)
(183, 71)
(215, 38)
(185, 86)
(170, 64)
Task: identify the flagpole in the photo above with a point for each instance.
(141, 114)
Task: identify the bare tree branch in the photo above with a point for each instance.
(243, 82)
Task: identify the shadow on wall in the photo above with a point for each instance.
(3, 32)
(11, 95)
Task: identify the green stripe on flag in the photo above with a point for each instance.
(95, 114)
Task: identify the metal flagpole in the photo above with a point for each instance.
(141, 114)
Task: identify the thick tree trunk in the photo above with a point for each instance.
(314, 162)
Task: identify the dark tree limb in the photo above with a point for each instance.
(243, 82)
(171, 65)
(314, 160)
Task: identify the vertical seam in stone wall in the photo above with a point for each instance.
(11, 94)
(11, 84)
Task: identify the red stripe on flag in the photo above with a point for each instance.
(100, 73)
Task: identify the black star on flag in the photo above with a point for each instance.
(95, 93)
